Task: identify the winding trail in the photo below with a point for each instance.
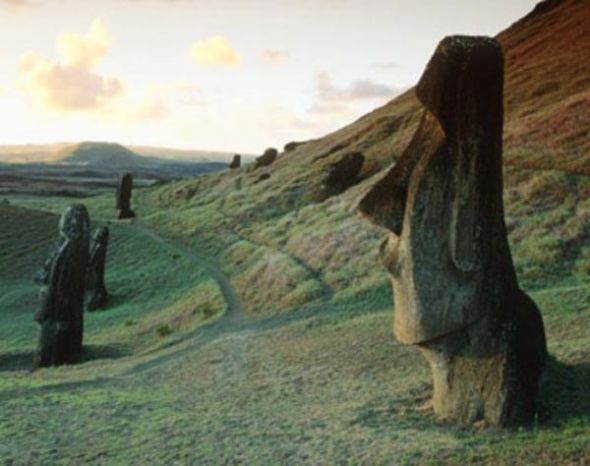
(233, 320)
(232, 323)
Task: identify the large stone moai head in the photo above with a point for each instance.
(447, 250)
(62, 299)
(96, 270)
(124, 197)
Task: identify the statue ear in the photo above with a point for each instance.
(466, 216)
(385, 204)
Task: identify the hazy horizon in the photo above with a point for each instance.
(226, 77)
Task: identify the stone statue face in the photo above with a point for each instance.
(442, 202)
(74, 223)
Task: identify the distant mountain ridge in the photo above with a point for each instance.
(98, 154)
(56, 152)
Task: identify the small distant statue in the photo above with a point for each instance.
(269, 156)
(96, 268)
(61, 312)
(236, 162)
(455, 288)
(124, 197)
(343, 174)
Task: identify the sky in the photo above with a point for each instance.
(229, 75)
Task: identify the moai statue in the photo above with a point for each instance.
(269, 156)
(124, 197)
(61, 314)
(236, 162)
(95, 273)
(455, 288)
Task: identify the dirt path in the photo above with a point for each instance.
(232, 321)
(234, 307)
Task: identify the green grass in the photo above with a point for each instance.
(148, 286)
(312, 373)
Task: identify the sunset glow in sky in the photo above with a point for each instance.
(234, 75)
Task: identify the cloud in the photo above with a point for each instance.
(274, 57)
(70, 85)
(215, 51)
(362, 89)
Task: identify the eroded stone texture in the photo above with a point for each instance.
(236, 162)
(124, 197)
(269, 156)
(343, 174)
(96, 268)
(61, 313)
(456, 292)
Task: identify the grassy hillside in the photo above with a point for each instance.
(150, 287)
(302, 368)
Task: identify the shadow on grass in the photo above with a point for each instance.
(20, 361)
(94, 352)
(23, 361)
(114, 300)
(564, 392)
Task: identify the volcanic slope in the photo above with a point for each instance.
(311, 374)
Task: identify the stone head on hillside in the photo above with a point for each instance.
(124, 191)
(62, 298)
(343, 173)
(269, 156)
(456, 292)
(236, 162)
(96, 270)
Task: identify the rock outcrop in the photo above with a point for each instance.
(456, 293)
(291, 146)
(236, 162)
(343, 174)
(124, 191)
(96, 269)
(269, 156)
(61, 312)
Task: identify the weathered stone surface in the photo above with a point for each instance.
(124, 191)
(96, 268)
(343, 174)
(269, 156)
(236, 162)
(456, 292)
(291, 146)
(61, 313)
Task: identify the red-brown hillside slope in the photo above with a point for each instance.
(273, 223)
(548, 86)
(547, 95)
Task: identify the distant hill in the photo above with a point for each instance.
(98, 154)
(48, 153)
(89, 168)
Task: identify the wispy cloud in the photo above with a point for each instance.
(274, 56)
(362, 89)
(71, 84)
(216, 51)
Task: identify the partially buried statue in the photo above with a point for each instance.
(455, 288)
(96, 267)
(124, 197)
(236, 162)
(61, 314)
